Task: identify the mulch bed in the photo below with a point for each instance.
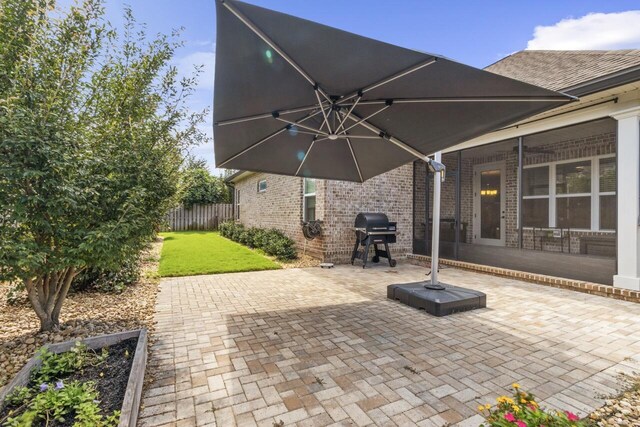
(111, 385)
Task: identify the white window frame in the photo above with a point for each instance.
(265, 185)
(237, 201)
(597, 193)
(594, 194)
(305, 196)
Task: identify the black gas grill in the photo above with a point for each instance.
(373, 229)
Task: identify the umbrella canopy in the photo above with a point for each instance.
(294, 97)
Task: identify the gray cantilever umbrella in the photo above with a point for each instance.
(295, 97)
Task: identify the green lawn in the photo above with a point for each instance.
(188, 253)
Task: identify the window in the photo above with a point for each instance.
(573, 178)
(535, 212)
(536, 181)
(573, 192)
(309, 200)
(607, 188)
(573, 212)
(535, 195)
(576, 194)
(237, 204)
(262, 186)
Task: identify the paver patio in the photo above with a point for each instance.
(318, 347)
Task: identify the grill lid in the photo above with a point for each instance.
(372, 221)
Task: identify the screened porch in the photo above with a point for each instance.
(560, 185)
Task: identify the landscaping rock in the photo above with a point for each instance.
(303, 261)
(622, 411)
(83, 314)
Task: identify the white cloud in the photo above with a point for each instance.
(593, 31)
(205, 58)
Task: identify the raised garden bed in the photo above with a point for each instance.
(107, 371)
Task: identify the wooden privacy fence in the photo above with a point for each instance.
(199, 217)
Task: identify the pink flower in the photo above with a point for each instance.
(521, 423)
(509, 417)
(571, 416)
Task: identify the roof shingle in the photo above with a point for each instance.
(561, 69)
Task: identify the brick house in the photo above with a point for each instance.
(556, 174)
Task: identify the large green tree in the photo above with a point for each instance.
(200, 187)
(93, 127)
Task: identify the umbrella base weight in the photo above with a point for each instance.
(438, 302)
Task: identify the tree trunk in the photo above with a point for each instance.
(47, 294)
(49, 324)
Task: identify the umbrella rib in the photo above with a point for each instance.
(391, 78)
(344, 118)
(406, 147)
(359, 136)
(355, 161)
(324, 113)
(366, 118)
(305, 133)
(317, 131)
(353, 154)
(265, 139)
(466, 99)
(253, 27)
(266, 115)
(305, 157)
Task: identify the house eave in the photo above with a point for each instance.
(238, 176)
(603, 83)
(597, 105)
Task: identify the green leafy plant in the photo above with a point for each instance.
(61, 401)
(109, 281)
(200, 187)
(55, 366)
(16, 294)
(50, 399)
(19, 396)
(273, 242)
(94, 129)
(522, 410)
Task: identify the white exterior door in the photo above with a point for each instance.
(489, 204)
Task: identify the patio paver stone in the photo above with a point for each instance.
(321, 347)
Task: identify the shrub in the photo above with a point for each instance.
(250, 237)
(277, 244)
(259, 238)
(273, 242)
(200, 187)
(17, 294)
(522, 410)
(243, 237)
(236, 231)
(225, 228)
(94, 125)
(110, 281)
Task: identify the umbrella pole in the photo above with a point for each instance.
(435, 229)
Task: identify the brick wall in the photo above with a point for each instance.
(390, 193)
(280, 206)
(337, 204)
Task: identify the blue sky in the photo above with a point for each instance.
(477, 33)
